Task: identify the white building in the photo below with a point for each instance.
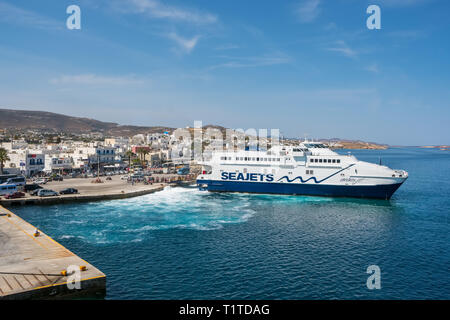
(104, 155)
(55, 163)
(28, 163)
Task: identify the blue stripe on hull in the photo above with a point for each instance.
(376, 192)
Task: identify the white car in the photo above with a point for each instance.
(40, 181)
(47, 193)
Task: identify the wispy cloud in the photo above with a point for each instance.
(93, 79)
(157, 9)
(15, 15)
(372, 68)
(408, 34)
(248, 62)
(342, 48)
(187, 45)
(224, 47)
(403, 3)
(308, 10)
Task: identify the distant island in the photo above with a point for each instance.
(437, 147)
(13, 122)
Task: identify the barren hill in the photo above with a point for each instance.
(54, 122)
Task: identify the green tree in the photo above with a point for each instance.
(129, 154)
(144, 153)
(3, 158)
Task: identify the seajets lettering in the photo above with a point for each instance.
(234, 176)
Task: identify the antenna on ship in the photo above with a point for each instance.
(306, 136)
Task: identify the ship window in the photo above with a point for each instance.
(316, 160)
(320, 160)
(312, 160)
(257, 159)
(329, 160)
(307, 171)
(278, 159)
(338, 161)
(334, 160)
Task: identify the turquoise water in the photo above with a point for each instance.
(186, 244)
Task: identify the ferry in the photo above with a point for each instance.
(310, 168)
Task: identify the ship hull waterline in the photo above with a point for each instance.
(384, 191)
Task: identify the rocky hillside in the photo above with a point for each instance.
(19, 120)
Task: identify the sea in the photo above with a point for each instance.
(183, 243)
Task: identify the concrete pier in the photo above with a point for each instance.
(32, 266)
(99, 196)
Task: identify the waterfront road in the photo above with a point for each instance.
(89, 191)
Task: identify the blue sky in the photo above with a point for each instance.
(304, 66)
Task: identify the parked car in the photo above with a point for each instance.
(47, 193)
(69, 191)
(31, 187)
(40, 181)
(56, 178)
(15, 195)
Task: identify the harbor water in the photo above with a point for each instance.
(188, 244)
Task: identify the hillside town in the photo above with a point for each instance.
(34, 153)
(91, 155)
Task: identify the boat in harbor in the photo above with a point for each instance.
(310, 168)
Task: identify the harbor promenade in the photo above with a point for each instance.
(89, 191)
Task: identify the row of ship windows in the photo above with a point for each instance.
(325, 160)
(251, 159)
